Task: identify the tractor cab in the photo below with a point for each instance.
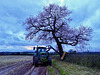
(42, 52)
(41, 49)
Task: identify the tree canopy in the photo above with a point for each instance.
(53, 24)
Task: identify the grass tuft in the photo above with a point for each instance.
(51, 70)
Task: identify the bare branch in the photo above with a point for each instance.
(53, 24)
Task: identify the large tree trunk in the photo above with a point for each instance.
(58, 45)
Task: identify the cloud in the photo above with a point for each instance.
(94, 20)
(14, 12)
(14, 49)
(29, 47)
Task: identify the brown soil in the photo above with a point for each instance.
(22, 68)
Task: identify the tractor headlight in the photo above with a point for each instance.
(43, 59)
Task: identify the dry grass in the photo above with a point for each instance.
(13, 59)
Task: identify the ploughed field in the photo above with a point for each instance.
(20, 65)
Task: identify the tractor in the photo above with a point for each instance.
(41, 56)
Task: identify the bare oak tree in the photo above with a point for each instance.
(53, 24)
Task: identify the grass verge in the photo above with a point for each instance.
(71, 69)
(51, 70)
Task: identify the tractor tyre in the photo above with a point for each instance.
(33, 60)
(49, 61)
(36, 61)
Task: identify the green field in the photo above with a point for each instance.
(76, 64)
(88, 60)
(65, 68)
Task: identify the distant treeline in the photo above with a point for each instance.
(23, 53)
(16, 53)
(51, 53)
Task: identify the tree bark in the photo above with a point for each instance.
(58, 44)
(59, 47)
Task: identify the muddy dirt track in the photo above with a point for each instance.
(22, 68)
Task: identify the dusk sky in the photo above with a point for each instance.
(14, 12)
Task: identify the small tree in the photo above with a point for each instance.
(53, 25)
(72, 51)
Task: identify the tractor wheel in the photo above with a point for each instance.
(49, 61)
(36, 61)
(33, 60)
(45, 64)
